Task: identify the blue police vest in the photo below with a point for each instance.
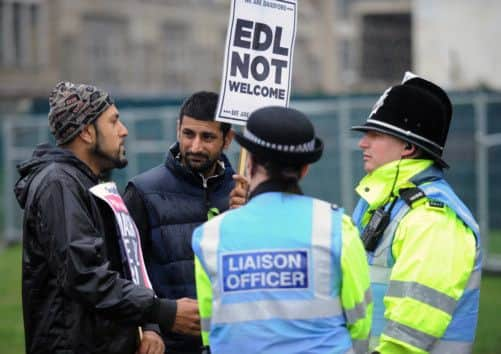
(460, 333)
(274, 265)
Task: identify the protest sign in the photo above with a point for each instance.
(129, 234)
(258, 58)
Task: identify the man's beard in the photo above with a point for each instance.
(109, 162)
(199, 168)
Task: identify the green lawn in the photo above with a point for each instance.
(11, 322)
(11, 325)
(494, 245)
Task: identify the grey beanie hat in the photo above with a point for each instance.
(72, 107)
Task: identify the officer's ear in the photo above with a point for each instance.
(409, 150)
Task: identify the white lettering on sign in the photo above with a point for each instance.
(269, 270)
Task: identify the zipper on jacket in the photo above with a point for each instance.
(205, 182)
(205, 185)
(206, 190)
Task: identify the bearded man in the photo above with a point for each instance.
(78, 297)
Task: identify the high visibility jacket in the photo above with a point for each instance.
(425, 271)
(283, 274)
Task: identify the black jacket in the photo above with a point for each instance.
(76, 298)
(167, 203)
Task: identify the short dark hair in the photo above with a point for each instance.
(202, 106)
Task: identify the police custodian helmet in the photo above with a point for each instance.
(416, 111)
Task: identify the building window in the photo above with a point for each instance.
(23, 34)
(386, 46)
(178, 62)
(105, 48)
(343, 8)
(348, 72)
(306, 75)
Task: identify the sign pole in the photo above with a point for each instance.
(242, 160)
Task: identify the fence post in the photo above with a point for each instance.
(481, 167)
(11, 234)
(346, 167)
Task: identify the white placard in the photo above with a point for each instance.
(129, 234)
(258, 58)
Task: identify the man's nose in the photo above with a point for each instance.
(196, 144)
(123, 130)
(362, 143)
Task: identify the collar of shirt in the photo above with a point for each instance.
(378, 186)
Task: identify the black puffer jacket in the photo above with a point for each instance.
(75, 295)
(168, 202)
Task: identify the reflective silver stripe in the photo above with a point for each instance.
(284, 309)
(422, 293)
(373, 343)
(380, 274)
(476, 274)
(210, 244)
(321, 240)
(405, 132)
(360, 309)
(474, 281)
(205, 324)
(451, 347)
(409, 335)
(360, 346)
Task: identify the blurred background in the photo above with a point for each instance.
(151, 54)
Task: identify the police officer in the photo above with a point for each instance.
(422, 241)
(285, 273)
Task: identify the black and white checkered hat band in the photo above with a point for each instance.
(305, 147)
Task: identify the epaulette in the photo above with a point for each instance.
(435, 204)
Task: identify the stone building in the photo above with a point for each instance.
(147, 48)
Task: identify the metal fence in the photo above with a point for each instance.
(473, 151)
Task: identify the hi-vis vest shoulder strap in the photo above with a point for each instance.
(322, 303)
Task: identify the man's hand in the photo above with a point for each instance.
(187, 319)
(151, 343)
(238, 195)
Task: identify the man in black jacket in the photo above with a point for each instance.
(77, 296)
(169, 201)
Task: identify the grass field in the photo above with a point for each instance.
(11, 322)
(11, 325)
